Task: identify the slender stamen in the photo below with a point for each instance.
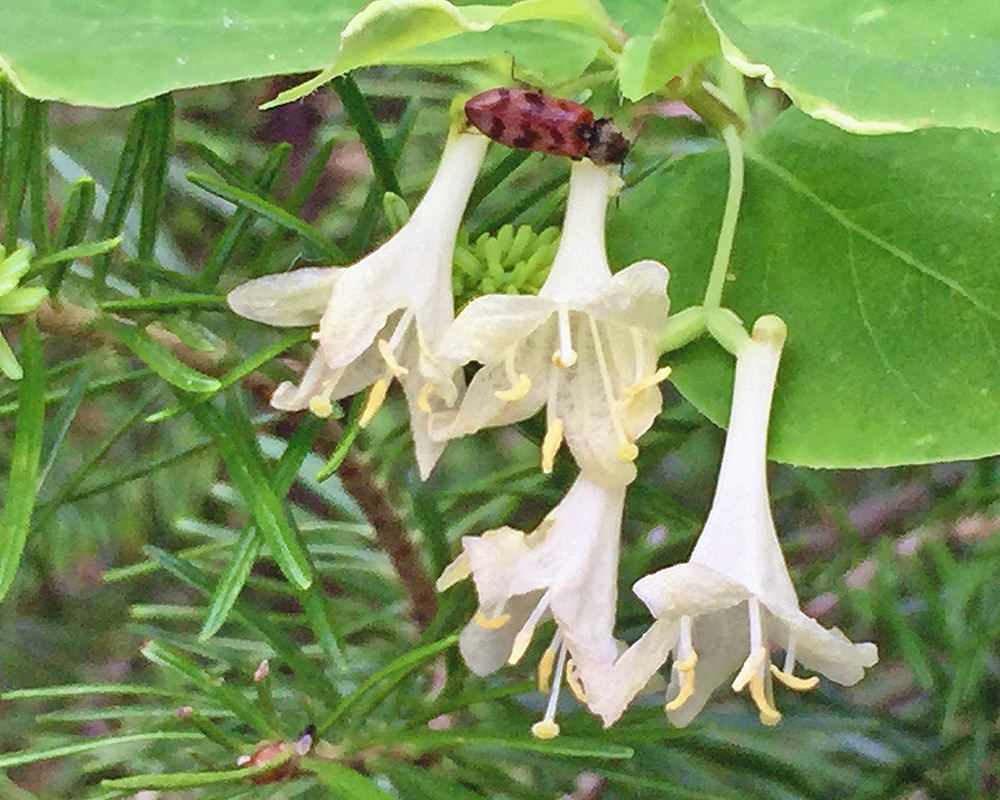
(491, 623)
(626, 451)
(520, 384)
(639, 348)
(523, 638)
(633, 389)
(794, 682)
(754, 669)
(574, 683)
(786, 676)
(376, 396)
(547, 661)
(385, 350)
(546, 728)
(684, 662)
(551, 443)
(565, 356)
(424, 397)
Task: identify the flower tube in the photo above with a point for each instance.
(584, 347)
(566, 570)
(379, 318)
(724, 610)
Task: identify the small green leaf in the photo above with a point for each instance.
(234, 576)
(157, 145)
(158, 358)
(22, 484)
(227, 696)
(249, 477)
(560, 746)
(121, 192)
(89, 745)
(165, 303)
(188, 780)
(345, 782)
(270, 211)
(387, 677)
(685, 37)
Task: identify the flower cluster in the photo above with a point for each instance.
(585, 348)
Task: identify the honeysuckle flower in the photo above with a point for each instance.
(584, 346)
(15, 299)
(566, 570)
(379, 318)
(733, 601)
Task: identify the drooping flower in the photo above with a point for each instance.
(733, 601)
(584, 347)
(379, 318)
(566, 570)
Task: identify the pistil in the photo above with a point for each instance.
(565, 356)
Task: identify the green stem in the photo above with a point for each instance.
(724, 248)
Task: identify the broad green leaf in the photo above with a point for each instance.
(881, 255)
(872, 66)
(386, 31)
(117, 53)
(684, 37)
(22, 483)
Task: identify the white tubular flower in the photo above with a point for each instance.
(379, 318)
(567, 570)
(733, 601)
(584, 347)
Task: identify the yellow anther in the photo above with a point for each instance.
(753, 665)
(545, 665)
(769, 715)
(521, 644)
(564, 360)
(649, 381)
(320, 406)
(517, 391)
(457, 570)
(686, 668)
(551, 443)
(389, 357)
(793, 681)
(627, 452)
(545, 729)
(574, 683)
(376, 396)
(424, 397)
(491, 623)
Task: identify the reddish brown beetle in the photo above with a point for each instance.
(531, 120)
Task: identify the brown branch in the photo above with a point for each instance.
(356, 472)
